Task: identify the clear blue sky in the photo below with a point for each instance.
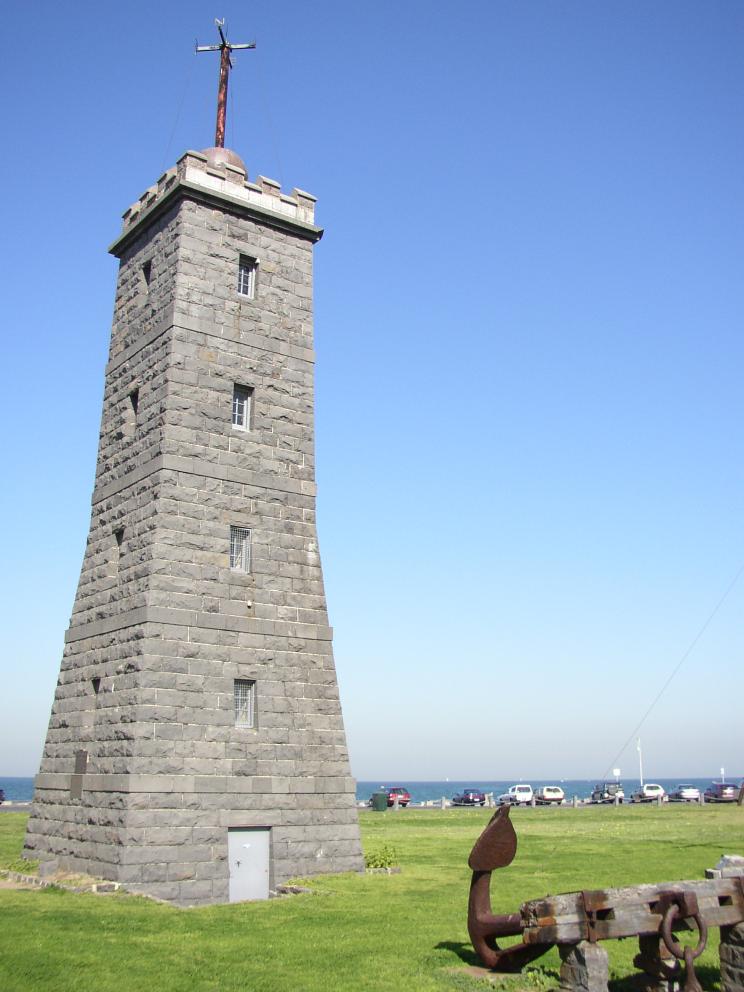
(529, 309)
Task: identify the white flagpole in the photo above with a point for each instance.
(640, 760)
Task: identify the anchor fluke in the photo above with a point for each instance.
(497, 845)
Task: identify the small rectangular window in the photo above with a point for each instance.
(245, 703)
(241, 407)
(134, 401)
(147, 272)
(119, 535)
(96, 683)
(247, 276)
(240, 549)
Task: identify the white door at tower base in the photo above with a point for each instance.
(248, 857)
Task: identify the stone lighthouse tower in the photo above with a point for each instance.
(196, 749)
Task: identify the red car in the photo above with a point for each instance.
(398, 792)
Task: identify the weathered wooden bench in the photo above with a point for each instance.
(577, 921)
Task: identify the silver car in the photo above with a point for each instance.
(685, 793)
(648, 792)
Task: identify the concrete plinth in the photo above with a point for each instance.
(584, 967)
(732, 958)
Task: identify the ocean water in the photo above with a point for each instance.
(22, 789)
(19, 790)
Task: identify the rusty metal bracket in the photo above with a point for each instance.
(591, 915)
(739, 881)
(685, 901)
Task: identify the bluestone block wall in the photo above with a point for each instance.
(162, 626)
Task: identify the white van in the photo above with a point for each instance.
(550, 794)
(518, 795)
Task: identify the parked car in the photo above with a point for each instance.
(685, 793)
(518, 795)
(648, 792)
(2, 796)
(404, 796)
(398, 792)
(550, 794)
(469, 797)
(607, 792)
(721, 792)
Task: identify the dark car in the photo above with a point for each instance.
(2, 796)
(608, 792)
(469, 797)
(721, 792)
(398, 792)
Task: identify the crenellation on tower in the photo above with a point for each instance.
(195, 169)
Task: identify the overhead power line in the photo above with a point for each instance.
(680, 663)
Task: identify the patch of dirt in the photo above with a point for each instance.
(9, 883)
(72, 881)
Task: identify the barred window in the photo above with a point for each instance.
(245, 703)
(241, 407)
(240, 549)
(247, 276)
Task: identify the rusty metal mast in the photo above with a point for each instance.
(224, 48)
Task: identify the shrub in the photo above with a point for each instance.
(386, 857)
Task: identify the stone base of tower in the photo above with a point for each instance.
(145, 773)
(167, 836)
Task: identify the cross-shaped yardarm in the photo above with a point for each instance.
(224, 48)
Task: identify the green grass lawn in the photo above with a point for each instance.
(368, 932)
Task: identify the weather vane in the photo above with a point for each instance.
(224, 48)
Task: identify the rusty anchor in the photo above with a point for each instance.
(576, 922)
(495, 848)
